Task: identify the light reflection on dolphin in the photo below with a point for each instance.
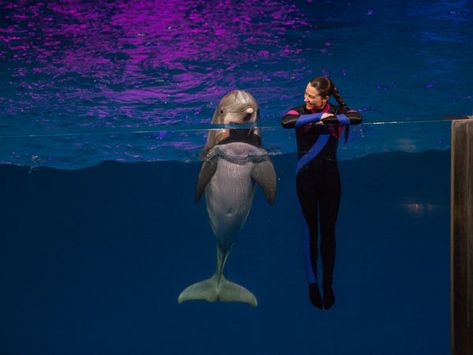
(234, 162)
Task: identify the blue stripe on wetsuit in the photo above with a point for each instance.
(343, 119)
(304, 119)
(312, 153)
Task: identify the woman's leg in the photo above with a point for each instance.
(307, 194)
(329, 202)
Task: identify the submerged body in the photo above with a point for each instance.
(318, 126)
(229, 194)
(228, 176)
(233, 165)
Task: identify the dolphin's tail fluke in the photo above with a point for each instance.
(214, 290)
(218, 288)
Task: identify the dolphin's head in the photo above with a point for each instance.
(236, 107)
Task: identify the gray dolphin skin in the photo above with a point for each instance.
(228, 177)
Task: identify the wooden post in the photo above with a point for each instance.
(462, 237)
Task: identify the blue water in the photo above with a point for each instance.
(80, 82)
(92, 262)
(104, 109)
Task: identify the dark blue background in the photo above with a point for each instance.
(92, 262)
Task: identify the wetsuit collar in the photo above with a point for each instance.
(325, 109)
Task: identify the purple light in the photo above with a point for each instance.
(100, 58)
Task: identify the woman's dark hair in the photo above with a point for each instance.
(326, 87)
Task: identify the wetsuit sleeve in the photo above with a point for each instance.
(289, 120)
(310, 118)
(294, 119)
(345, 118)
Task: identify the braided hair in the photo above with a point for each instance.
(327, 88)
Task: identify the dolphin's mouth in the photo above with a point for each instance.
(248, 117)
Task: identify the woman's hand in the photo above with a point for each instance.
(326, 115)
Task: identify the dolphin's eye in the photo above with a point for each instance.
(221, 111)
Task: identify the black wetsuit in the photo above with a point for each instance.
(318, 186)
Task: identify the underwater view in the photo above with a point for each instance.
(147, 208)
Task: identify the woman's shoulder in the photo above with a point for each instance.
(338, 109)
(298, 110)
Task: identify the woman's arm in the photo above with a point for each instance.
(294, 119)
(348, 117)
(290, 118)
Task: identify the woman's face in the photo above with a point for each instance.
(313, 100)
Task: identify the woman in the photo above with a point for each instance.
(318, 126)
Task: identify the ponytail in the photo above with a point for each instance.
(338, 97)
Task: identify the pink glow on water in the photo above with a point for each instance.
(78, 56)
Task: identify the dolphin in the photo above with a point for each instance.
(237, 106)
(232, 165)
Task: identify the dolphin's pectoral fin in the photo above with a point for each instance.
(232, 292)
(210, 290)
(205, 290)
(206, 172)
(265, 176)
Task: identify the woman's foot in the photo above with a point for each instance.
(314, 296)
(329, 297)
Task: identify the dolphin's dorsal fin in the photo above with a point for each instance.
(265, 176)
(206, 172)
